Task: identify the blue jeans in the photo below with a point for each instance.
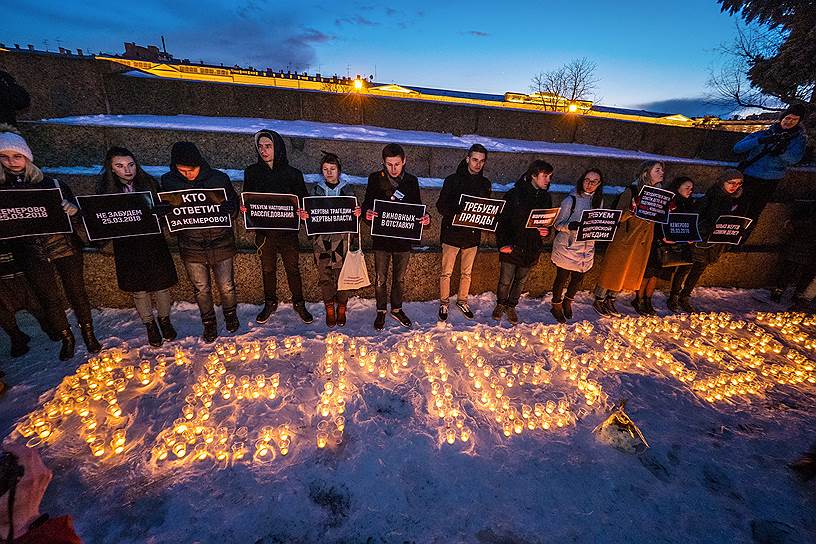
(511, 283)
(199, 274)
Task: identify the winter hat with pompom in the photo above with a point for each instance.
(12, 141)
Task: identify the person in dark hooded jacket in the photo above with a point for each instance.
(272, 173)
(206, 250)
(724, 198)
(520, 247)
(468, 179)
(13, 98)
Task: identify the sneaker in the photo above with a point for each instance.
(231, 321)
(400, 316)
(685, 305)
(269, 308)
(304, 314)
(611, 308)
(600, 306)
(154, 337)
(465, 309)
(210, 331)
(557, 310)
(341, 315)
(498, 312)
(167, 330)
(443, 312)
(512, 316)
(567, 305)
(379, 322)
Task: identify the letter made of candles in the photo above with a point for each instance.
(262, 401)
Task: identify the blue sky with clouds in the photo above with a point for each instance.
(648, 53)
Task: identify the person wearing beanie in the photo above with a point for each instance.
(144, 266)
(628, 253)
(768, 153)
(468, 179)
(206, 251)
(48, 257)
(726, 197)
(272, 173)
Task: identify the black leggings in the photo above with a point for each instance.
(566, 278)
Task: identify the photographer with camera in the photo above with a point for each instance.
(23, 481)
(769, 153)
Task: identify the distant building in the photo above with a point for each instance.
(151, 53)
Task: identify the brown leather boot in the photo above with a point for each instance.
(331, 319)
(341, 315)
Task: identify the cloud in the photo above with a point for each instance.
(690, 107)
(355, 20)
(476, 33)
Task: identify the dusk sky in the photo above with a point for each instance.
(649, 54)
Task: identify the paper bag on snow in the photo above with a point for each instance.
(620, 432)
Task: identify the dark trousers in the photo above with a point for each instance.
(42, 277)
(695, 271)
(794, 274)
(15, 294)
(269, 266)
(757, 193)
(566, 278)
(327, 281)
(199, 274)
(511, 283)
(71, 272)
(679, 278)
(382, 261)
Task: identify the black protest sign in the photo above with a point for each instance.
(397, 220)
(270, 211)
(196, 209)
(653, 204)
(118, 215)
(32, 212)
(542, 218)
(330, 214)
(598, 225)
(682, 227)
(729, 229)
(477, 212)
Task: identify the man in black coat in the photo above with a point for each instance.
(206, 249)
(467, 180)
(13, 97)
(391, 183)
(272, 173)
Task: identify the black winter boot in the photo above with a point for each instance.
(68, 345)
(685, 304)
(379, 321)
(304, 314)
(648, 306)
(269, 308)
(639, 306)
(567, 304)
(609, 304)
(167, 329)
(673, 303)
(19, 342)
(557, 310)
(599, 305)
(210, 331)
(154, 337)
(498, 312)
(231, 321)
(89, 338)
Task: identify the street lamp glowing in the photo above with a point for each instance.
(358, 84)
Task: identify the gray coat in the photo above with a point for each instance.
(330, 249)
(567, 252)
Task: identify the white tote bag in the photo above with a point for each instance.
(354, 274)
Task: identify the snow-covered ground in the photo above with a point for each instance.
(335, 131)
(715, 471)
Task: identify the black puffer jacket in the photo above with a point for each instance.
(282, 178)
(527, 243)
(455, 185)
(715, 203)
(204, 245)
(380, 188)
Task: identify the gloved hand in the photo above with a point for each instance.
(161, 209)
(573, 225)
(778, 148)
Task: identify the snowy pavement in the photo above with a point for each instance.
(715, 472)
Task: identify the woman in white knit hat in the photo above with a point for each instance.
(47, 257)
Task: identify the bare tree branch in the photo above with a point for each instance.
(556, 89)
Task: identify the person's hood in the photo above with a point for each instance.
(342, 182)
(281, 158)
(777, 129)
(187, 154)
(462, 170)
(526, 186)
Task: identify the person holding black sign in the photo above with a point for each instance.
(627, 254)
(724, 198)
(330, 249)
(272, 173)
(520, 247)
(206, 250)
(683, 188)
(395, 184)
(48, 257)
(468, 179)
(144, 267)
(769, 153)
(681, 202)
(572, 259)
